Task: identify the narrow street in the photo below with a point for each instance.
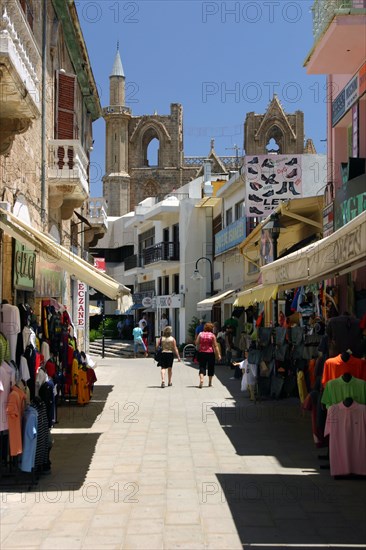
(179, 467)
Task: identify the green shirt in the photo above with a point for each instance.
(338, 390)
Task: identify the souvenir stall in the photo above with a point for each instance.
(284, 354)
(40, 368)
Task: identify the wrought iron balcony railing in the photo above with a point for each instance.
(325, 10)
(136, 260)
(165, 251)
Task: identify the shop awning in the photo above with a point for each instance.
(208, 303)
(66, 259)
(305, 210)
(133, 308)
(259, 293)
(341, 252)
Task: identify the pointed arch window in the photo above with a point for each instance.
(151, 148)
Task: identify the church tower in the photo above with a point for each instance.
(116, 182)
(287, 131)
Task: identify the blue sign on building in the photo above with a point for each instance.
(231, 236)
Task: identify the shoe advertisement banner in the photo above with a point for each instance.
(270, 179)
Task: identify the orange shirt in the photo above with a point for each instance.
(14, 410)
(83, 388)
(335, 367)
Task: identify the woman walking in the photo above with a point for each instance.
(207, 350)
(169, 348)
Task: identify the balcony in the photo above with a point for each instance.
(20, 60)
(132, 262)
(67, 175)
(165, 251)
(339, 37)
(97, 218)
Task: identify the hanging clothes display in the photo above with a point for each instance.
(31, 381)
(14, 410)
(334, 367)
(30, 431)
(343, 387)
(10, 326)
(346, 427)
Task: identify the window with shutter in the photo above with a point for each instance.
(65, 116)
(28, 11)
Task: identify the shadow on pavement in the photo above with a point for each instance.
(72, 415)
(282, 510)
(302, 505)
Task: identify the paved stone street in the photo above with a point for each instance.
(145, 467)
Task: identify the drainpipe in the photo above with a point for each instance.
(44, 107)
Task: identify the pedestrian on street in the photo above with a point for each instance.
(163, 323)
(137, 340)
(145, 334)
(208, 351)
(120, 326)
(199, 328)
(169, 348)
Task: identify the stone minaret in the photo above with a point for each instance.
(116, 182)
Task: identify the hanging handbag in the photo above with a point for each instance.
(158, 353)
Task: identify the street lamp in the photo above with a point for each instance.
(197, 275)
(274, 229)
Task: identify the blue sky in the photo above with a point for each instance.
(220, 60)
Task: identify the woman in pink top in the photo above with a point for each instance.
(207, 348)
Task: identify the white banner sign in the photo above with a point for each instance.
(270, 179)
(170, 301)
(81, 305)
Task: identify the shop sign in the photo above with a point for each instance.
(338, 253)
(266, 249)
(99, 263)
(350, 201)
(362, 80)
(146, 302)
(328, 220)
(170, 301)
(348, 96)
(295, 269)
(355, 131)
(231, 236)
(339, 107)
(351, 92)
(24, 267)
(49, 280)
(270, 180)
(82, 288)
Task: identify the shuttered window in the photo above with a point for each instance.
(28, 11)
(65, 116)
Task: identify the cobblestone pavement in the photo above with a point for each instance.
(181, 467)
